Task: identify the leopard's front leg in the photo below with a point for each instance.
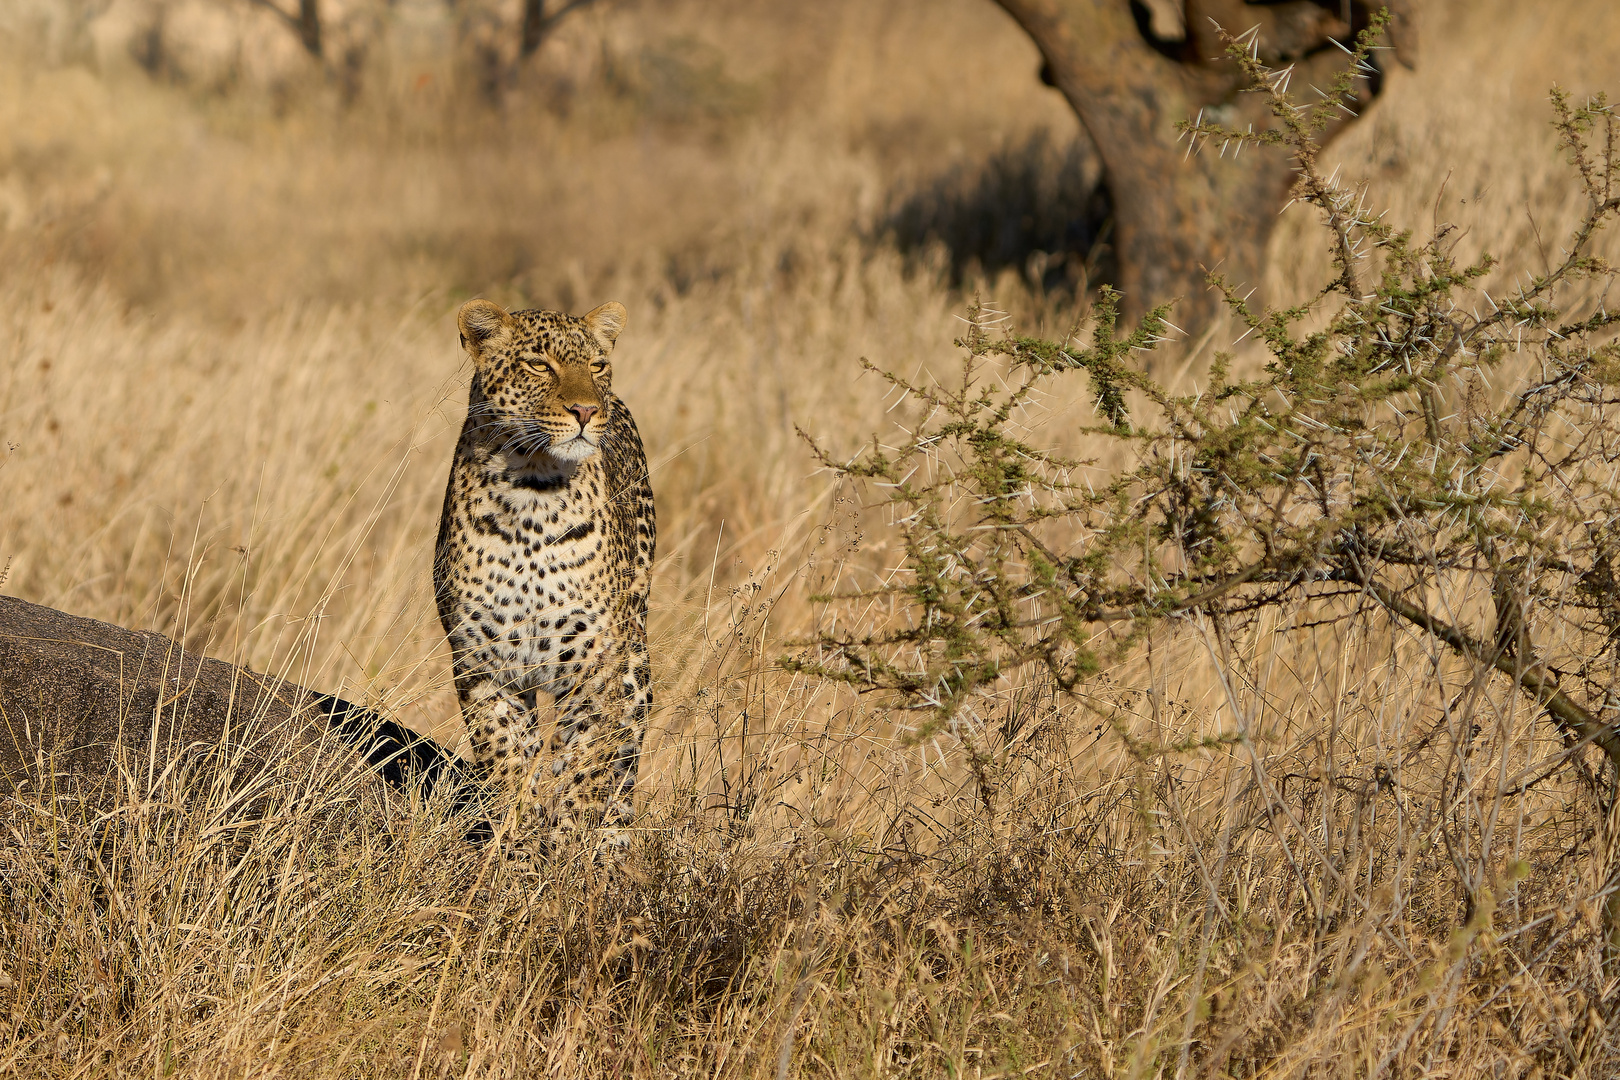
(503, 727)
(596, 749)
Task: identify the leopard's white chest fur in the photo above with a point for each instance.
(525, 578)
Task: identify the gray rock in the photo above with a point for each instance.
(87, 704)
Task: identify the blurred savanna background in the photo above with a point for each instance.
(230, 261)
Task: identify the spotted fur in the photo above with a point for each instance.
(542, 567)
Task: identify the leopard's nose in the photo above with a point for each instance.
(584, 412)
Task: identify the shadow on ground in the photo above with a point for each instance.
(1036, 207)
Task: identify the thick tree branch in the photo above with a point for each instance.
(537, 24)
(1531, 675)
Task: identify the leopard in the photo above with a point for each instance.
(542, 573)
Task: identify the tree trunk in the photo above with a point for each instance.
(1177, 218)
(534, 25)
(309, 25)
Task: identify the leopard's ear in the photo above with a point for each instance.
(607, 323)
(483, 326)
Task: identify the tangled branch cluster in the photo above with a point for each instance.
(1436, 450)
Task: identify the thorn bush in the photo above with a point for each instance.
(1418, 440)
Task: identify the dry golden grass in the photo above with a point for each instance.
(228, 391)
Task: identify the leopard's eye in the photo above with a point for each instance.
(540, 366)
(598, 366)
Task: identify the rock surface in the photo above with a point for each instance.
(85, 700)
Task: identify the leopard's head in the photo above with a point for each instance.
(542, 376)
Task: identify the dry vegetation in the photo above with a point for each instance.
(228, 392)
